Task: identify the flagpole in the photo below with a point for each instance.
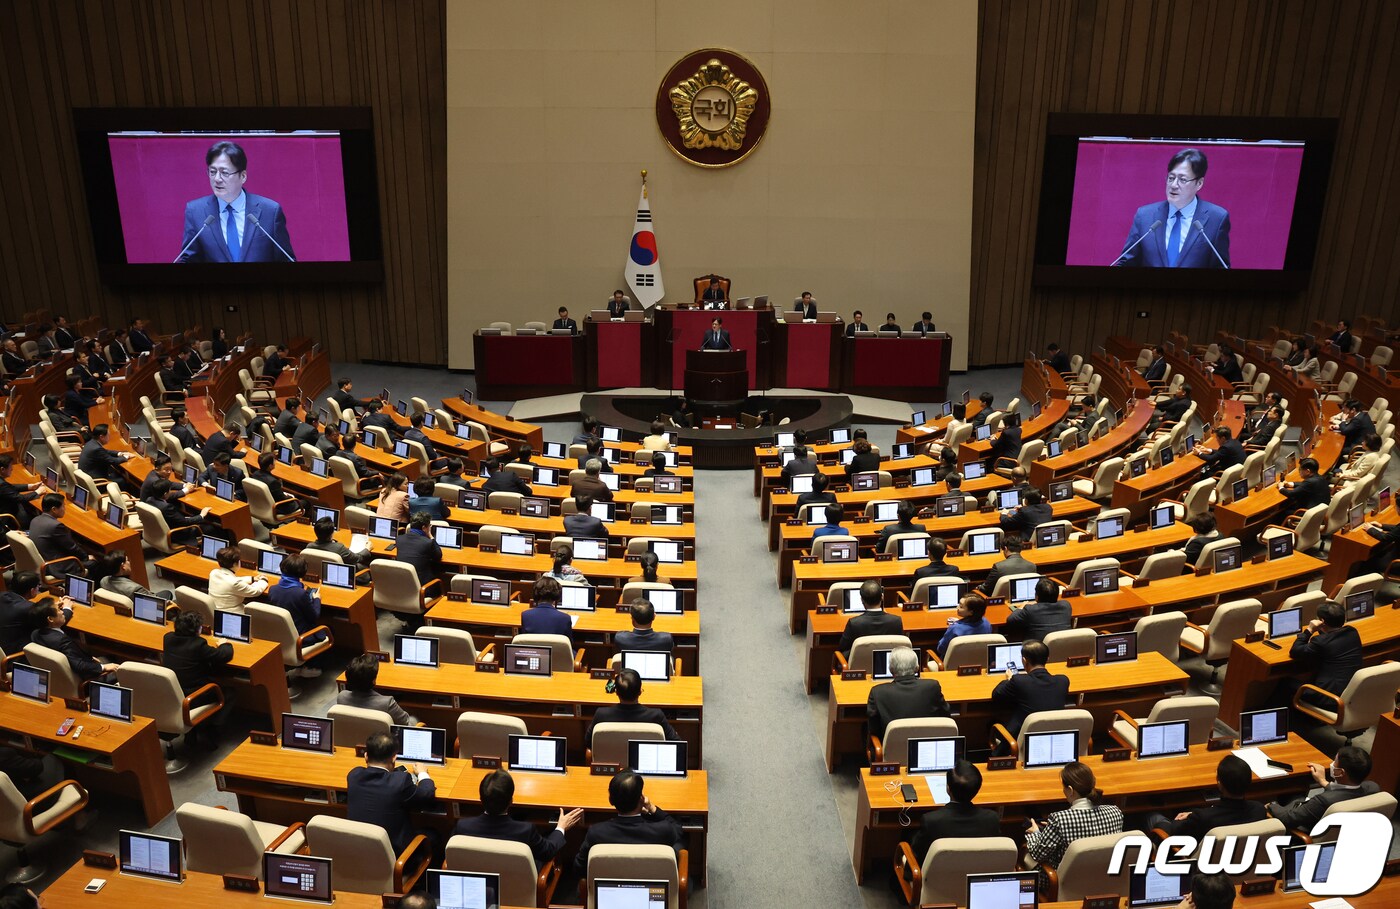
(644, 183)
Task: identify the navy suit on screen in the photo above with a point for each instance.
(211, 246)
(1195, 252)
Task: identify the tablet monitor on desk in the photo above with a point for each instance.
(880, 664)
(545, 753)
(1137, 467)
(269, 561)
(80, 589)
(1100, 580)
(147, 855)
(610, 433)
(320, 468)
(664, 514)
(1360, 605)
(610, 480)
(1120, 647)
(785, 440)
(1285, 622)
(816, 515)
(1261, 727)
(112, 702)
(1001, 657)
(1191, 441)
(669, 552)
(840, 436)
(590, 549)
(412, 650)
(664, 601)
(297, 877)
(343, 427)
(1007, 890)
(1228, 558)
(922, 476)
(1051, 749)
(52, 480)
(30, 682)
(1166, 456)
(577, 597)
(1171, 739)
(935, 755)
(1053, 449)
(983, 433)
(851, 601)
(1108, 528)
(1281, 546)
(533, 507)
(902, 450)
(192, 475)
(331, 514)
(1008, 498)
(666, 485)
(847, 456)
(518, 544)
(1161, 517)
(233, 626)
(528, 659)
(80, 497)
(1293, 865)
(651, 665)
(491, 592)
(464, 889)
(115, 515)
(629, 894)
(148, 609)
(308, 733)
(463, 431)
(1153, 888)
(448, 537)
(420, 744)
(918, 418)
(841, 551)
(946, 596)
(1051, 535)
(555, 450)
(1061, 491)
(547, 476)
(913, 548)
(800, 483)
(984, 543)
(471, 500)
(884, 512)
(974, 470)
(607, 511)
(367, 439)
(649, 757)
(1023, 589)
(223, 489)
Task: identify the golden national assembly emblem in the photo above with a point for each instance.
(712, 108)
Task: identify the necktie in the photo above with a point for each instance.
(235, 251)
(1174, 241)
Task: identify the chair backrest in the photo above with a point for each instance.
(487, 734)
(951, 859)
(1197, 500)
(63, 681)
(1308, 532)
(354, 725)
(562, 659)
(1231, 621)
(646, 863)
(635, 589)
(397, 586)
(1369, 694)
(157, 690)
(1084, 869)
(609, 741)
(864, 647)
(1076, 580)
(1105, 476)
(513, 861)
(260, 501)
(969, 650)
(1199, 711)
(504, 499)
(273, 623)
(344, 471)
(899, 732)
(1207, 557)
(361, 853)
(526, 472)
(893, 540)
(1359, 584)
(1003, 585)
(26, 554)
(190, 599)
(1160, 633)
(922, 592)
(1163, 565)
(1378, 802)
(1072, 642)
(455, 645)
(1072, 718)
(155, 533)
(219, 841)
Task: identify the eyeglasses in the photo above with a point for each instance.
(1173, 180)
(215, 173)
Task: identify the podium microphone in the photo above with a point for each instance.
(1155, 224)
(202, 228)
(1202, 228)
(254, 218)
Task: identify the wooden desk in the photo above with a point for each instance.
(613, 572)
(1385, 754)
(1107, 688)
(1082, 461)
(501, 426)
(1139, 494)
(235, 516)
(1270, 582)
(1255, 669)
(198, 889)
(298, 535)
(564, 703)
(121, 758)
(1269, 504)
(386, 462)
(103, 537)
(1163, 783)
(255, 678)
(594, 630)
(1034, 428)
(286, 785)
(772, 475)
(1353, 546)
(349, 613)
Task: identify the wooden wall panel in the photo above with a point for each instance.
(1279, 58)
(385, 54)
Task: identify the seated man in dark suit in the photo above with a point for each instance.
(564, 322)
(223, 468)
(1264, 430)
(714, 293)
(583, 523)
(287, 419)
(166, 499)
(641, 637)
(1354, 423)
(1332, 648)
(857, 324)
(1342, 339)
(905, 697)
(903, 523)
(1024, 693)
(589, 484)
(503, 480)
(273, 365)
(866, 458)
(55, 541)
(415, 433)
(1311, 490)
(818, 495)
(48, 618)
(1349, 770)
(1228, 366)
(1014, 563)
(1030, 514)
(424, 500)
(638, 822)
(182, 430)
(1172, 409)
(618, 305)
(15, 607)
(800, 465)
(497, 791)
(959, 818)
(1227, 453)
(874, 620)
(195, 663)
(807, 306)
(383, 794)
(14, 496)
(1157, 369)
(543, 615)
(344, 398)
(308, 432)
(222, 442)
(455, 475)
(1007, 443)
(1232, 778)
(985, 399)
(924, 326)
(832, 527)
(96, 461)
(1057, 359)
(417, 547)
(936, 567)
(1047, 614)
(628, 710)
(593, 451)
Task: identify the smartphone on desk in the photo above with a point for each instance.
(909, 793)
(67, 726)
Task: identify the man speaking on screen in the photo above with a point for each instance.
(1185, 231)
(232, 225)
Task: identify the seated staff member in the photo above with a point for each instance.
(393, 498)
(583, 523)
(324, 528)
(588, 484)
(497, 792)
(543, 615)
(564, 323)
(229, 591)
(905, 697)
(905, 513)
(628, 708)
(971, 618)
(55, 541)
(924, 325)
(1087, 815)
(302, 602)
(806, 305)
(638, 822)
(195, 661)
(359, 692)
(1332, 648)
(857, 324)
(1232, 778)
(936, 567)
(832, 527)
(874, 620)
(424, 500)
(959, 818)
(642, 637)
(1046, 615)
(1035, 689)
(48, 619)
(13, 496)
(819, 494)
(379, 794)
(1348, 772)
(1227, 453)
(650, 564)
(1310, 491)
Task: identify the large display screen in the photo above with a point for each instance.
(231, 195)
(1181, 202)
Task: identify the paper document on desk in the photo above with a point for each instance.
(938, 787)
(1258, 762)
(1335, 902)
(359, 542)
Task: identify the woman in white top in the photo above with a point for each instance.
(1370, 455)
(657, 440)
(1309, 367)
(228, 591)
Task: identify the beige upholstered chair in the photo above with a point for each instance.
(1230, 621)
(1379, 802)
(264, 507)
(1161, 565)
(397, 587)
(27, 558)
(1084, 869)
(354, 725)
(1161, 633)
(454, 644)
(157, 534)
(923, 588)
(355, 488)
(191, 600)
(1072, 642)
(522, 882)
(219, 841)
(273, 623)
(609, 742)
(63, 681)
(942, 878)
(1076, 580)
(564, 658)
(487, 734)
(967, 650)
(1072, 718)
(363, 858)
(22, 822)
(1003, 585)
(157, 691)
(1200, 712)
(863, 650)
(895, 745)
(646, 863)
(1100, 488)
(1369, 695)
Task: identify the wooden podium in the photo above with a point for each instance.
(716, 376)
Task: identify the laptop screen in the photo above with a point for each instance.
(334, 574)
(974, 470)
(800, 483)
(448, 537)
(464, 889)
(1164, 739)
(1228, 558)
(233, 626)
(983, 543)
(1161, 516)
(1260, 727)
(528, 659)
(652, 666)
(1001, 657)
(667, 551)
(936, 755)
(110, 701)
(307, 733)
(1023, 589)
(1108, 528)
(537, 752)
(1050, 749)
(297, 877)
(80, 589)
(415, 651)
(664, 602)
(913, 548)
(1285, 622)
(619, 894)
(1293, 865)
(592, 549)
(420, 744)
(497, 593)
(1008, 890)
(1100, 580)
(29, 682)
(1120, 647)
(652, 758)
(1153, 888)
(148, 609)
(577, 597)
(146, 855)
(922, 476)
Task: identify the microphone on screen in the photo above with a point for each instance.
(1155, 224)
(254, 218)
(1202, 228)
(202, 228)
